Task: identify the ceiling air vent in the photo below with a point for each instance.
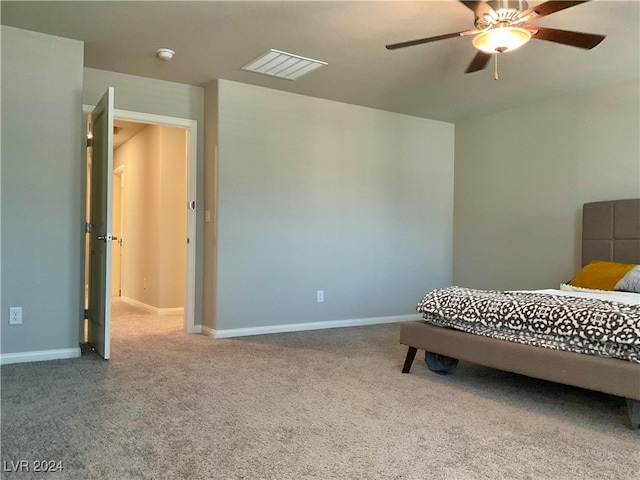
(283, 65)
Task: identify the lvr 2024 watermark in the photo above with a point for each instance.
(36, 466)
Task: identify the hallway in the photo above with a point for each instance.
(131, 325)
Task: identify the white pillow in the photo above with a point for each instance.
(630, 282)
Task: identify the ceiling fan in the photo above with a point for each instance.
(500, 26)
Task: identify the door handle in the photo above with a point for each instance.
(107, 238)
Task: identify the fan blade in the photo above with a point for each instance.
(547, 8)
(480, 8)
(420, 41)
(479, 62)
(566, 37)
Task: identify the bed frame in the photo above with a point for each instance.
(610, 231)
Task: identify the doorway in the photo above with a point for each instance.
(183, 203)
(153, 203)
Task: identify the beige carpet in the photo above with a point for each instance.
(326, 404)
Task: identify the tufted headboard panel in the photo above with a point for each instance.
(611, 231)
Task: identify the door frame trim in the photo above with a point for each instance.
(192, 175)
(119, 172)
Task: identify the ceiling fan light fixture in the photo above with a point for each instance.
(501, 39)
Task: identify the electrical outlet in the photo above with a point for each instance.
(15, 316)
(320, 296)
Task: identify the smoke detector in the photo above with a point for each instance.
(165, 54)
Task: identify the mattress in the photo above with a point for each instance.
(595, 323)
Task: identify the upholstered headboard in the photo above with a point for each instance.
(611, 231)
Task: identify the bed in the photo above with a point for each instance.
(610, 233)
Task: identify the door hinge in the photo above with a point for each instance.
(89, 142)
(88, 227)
(86, 314)
(191, 205)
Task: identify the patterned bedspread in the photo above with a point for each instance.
(577, 324)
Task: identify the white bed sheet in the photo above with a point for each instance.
(623, 297)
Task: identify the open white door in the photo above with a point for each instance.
(100, 236)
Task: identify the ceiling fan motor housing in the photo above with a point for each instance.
(504, 12)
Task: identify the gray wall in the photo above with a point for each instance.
(210, 204)
(42, 227)
(314, 194)
(522, 175)
(140, 94)
(146, 95)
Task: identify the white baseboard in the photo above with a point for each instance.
(298, 327)
(209, 332)
(152, 309)
(39, 356)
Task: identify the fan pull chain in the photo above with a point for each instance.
(495, 71)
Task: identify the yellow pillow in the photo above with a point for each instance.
(601, 275)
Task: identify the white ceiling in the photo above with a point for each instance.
(215, 39)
